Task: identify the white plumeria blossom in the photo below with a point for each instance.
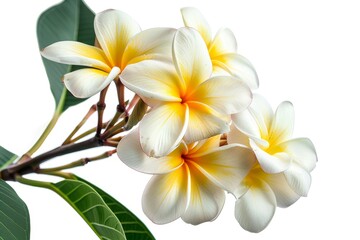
(187, 103)
(190, 181)
(282, 172)
(121, 43)
(222, 48)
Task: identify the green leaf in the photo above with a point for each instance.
(91, 207)
(133, 227)
(69, 20)
(14, 215)
(6, 157)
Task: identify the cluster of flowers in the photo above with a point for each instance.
(205, 133)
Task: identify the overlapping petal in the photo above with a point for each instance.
(224, 42)
(238, 66)
(191, 58)
(298, 179)
(162, 129)
(226, 165)
(130, 152)
(204, 122)
(256, 121)
(255, 208)
(113, 29)
(262, 112)
(206, 199)
(204, 145)
(235, 136)
(86, 82)
(302, 151)
(275, 163)
(225, 94)
(285, 196)
(283, 123)
(193, 18)
(165, 196)
(154, 80)
(76, 53)
(154, 43)
(248, 129)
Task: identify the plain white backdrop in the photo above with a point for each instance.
(306, 52)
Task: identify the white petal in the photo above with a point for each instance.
(224, 42)
(205, 145)
(87, 82)
(204, 122)
(238, 66)
(206, 199)
(226, 165)
(255, 209)
(192, 17)
(285, 196)
(130, 152)
(276, 163)
(302, 151)
(113, 30)
(246, 127)
(235, 136)
(262, 112)
(256, 120)
(153, 79)
(149, 44)
(162, 129)
(298, 179)
(283, 123)
(225, 94)
(76, 53)
(191, 58)
(165, 196)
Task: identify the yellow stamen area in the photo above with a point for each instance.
(273, 142)
(252, 178)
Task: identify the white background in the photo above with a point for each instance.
(306, 52)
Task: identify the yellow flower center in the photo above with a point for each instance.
(252, 178)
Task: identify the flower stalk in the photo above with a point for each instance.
(83, 121)
(48, 129)
(100, 109)
(78, 163)
(32, 165)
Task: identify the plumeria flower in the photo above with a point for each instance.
(190, 181)
(258, 196)
(120, 43)
(269, 134)
(186, 102)
(282, 172)
(222, 48)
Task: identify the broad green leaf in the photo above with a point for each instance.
(69, 20)
(137, 114)
(6, 157)
(133, 227)
(14, 215)
(91, 207)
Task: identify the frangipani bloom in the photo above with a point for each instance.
(186, 102)
(190, 181)
(257, 197)
(282, 172)
(269, 134)
(120, 44)
(222, 48)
